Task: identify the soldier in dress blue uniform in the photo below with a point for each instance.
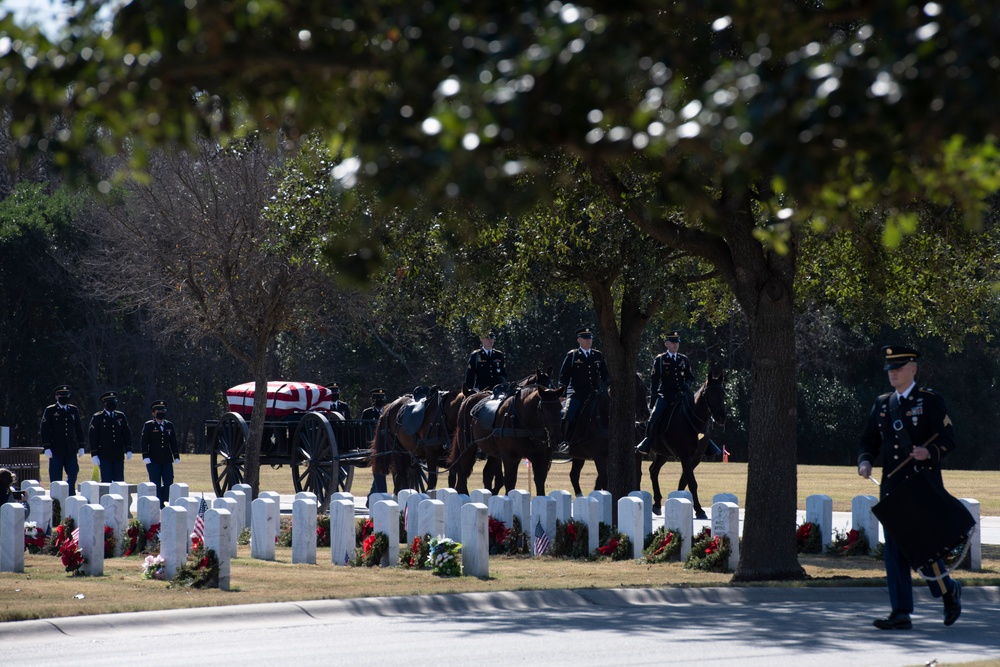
(159, 450)
(336, 404)
(486, 367)
(670, 379)
(62, 437)
(584, 373)
(110, 439)
(372, 413)
(899, 426)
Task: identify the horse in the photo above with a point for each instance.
(678, 433)
(412, 428)
(589, 439)
(526, 424)
(493, 467)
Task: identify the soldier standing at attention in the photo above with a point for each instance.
(110, 439)
(900, 427)
(159, 450)
(372, 413)
(62, 437)
(486, 367)
(670, 379)
(584, 373)
(336, 404)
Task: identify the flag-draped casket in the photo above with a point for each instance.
(283, 398)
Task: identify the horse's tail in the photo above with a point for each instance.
(461, 437)
(381, 447)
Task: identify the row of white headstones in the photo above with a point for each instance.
(443, 512)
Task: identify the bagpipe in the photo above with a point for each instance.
(926, 522)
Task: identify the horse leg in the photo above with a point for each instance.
(601, 463)
(574, 476)
(493, 475)
(510, 464)
(687, 479)
(654, 477)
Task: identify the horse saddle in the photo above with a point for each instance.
(485, 412)
(411, 415)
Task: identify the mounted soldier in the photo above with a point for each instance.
(670, 380)
(584, 374)
(487, 366)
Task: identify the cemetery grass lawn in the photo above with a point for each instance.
(45, 590)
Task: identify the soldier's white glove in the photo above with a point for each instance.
(177, 461)
(81, 452)
(96, 460)
(128, 456)
(48, 453)
(146, 461)
(865, 469)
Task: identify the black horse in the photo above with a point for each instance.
(683, 432)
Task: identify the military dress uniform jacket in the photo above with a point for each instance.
(582, 374)
(159, 445)
(923, 413)
(485, 369)
(110, 435)
(62, 430)
(370, 413)
(670, 376)
(342, 408)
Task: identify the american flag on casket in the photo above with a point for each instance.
(283, 398)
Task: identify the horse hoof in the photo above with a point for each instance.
(700, 514)
(657, 509)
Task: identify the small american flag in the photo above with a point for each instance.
(541, 540)
(76, 535)
(199, 522)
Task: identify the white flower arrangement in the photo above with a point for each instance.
(154, 568)
(444, 553)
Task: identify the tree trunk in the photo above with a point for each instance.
(257, 419)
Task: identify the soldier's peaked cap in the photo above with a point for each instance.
(584, 332)
(333, 387)
(378, 393)
(158, 405)
(897, 356)
(62, 390)
(672, 336)
(108, 395)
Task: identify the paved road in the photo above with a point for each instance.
(752, 627)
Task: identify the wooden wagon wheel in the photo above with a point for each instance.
(229, 448)
(315, 463)
(416, 476)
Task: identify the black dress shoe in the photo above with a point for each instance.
(953, 604)
(897, 620)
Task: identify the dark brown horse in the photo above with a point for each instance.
(589, 439)
(405, 439)
(527, 425)
(678, 434)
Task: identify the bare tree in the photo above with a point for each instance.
(200, 247)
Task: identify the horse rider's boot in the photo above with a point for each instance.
(562, 449)
(643, 447)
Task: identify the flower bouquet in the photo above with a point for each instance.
(709, 553)
(60, 535)
(498, 536)
(323, 530)
(34, 538)
(618, 547)
(444, 553)
(852, 543)
(664, 545)
(110, 541)
(572, 540)
(141, 540)
(808, 539)
(72, 557)
(153, 568)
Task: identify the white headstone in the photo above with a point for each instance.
(262, 529)
(304, 529)
(564, 504)
(604, 505)
(247, 492)
(481, 496)
(178, 490)
(12, 537)
(453, 504)
(241, 518)
(543, 510)
(274, 509)
(190, 503)
(588, 512)
(725, 498)
(680, 494)
(726, 521)
(91, 525)
(144, 489)
(376, 497)
(403, 496)
(975, 559)
(115, 518)
(231, 506)
(91, 491)
(630, 522)
(431, 513)
(28, 483)
(679, 516)
(521, 506)
(475, 541)
(309, 495)
(386, 520)
(819, 510)
(218, 528)
(173, 538)
(40, 509)
(411, 514)
(34, 490)
(147, 510)
(647, 511)
(342, 543)
(71, 508)
(863, 519)
(60, 491)
(502, 509)
(122, 489)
